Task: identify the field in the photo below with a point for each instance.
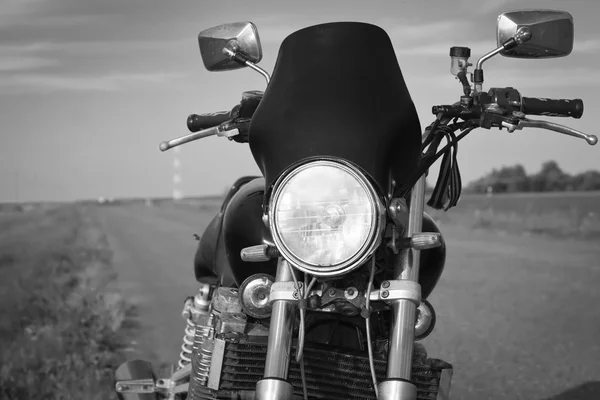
(560, 215)
(516, 304)
(60, 314)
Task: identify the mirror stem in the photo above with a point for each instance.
(522, 36)
(259, 70)
(478, 73)
(230, 52)
(488, 56)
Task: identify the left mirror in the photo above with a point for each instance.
(243, 36)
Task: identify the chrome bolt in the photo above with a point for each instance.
(350, 292)
(385, 294)
(295, 294)
(262, 296)
(332, 292)
(385, 284)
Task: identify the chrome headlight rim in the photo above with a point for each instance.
(363, 253)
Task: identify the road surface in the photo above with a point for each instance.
(518, 317)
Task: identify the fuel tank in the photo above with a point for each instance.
(242, 226)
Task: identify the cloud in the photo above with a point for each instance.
(589, 46)
(19, 58)
(487, 6)
(547, 78)
(16, 12)
(409, 30)
(442, 48)
(542, 81)
(32, 67)
(20, 63)
(84, 47)
(400, 29)
(21, 83)
(20, 7)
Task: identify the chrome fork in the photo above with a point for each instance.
(274, 385)
(397, 385)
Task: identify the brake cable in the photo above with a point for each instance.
(302, 295)
(368, 327)
(429, 159)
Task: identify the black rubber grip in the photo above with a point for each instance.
(197, 122)
(552, 107)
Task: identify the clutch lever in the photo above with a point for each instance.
(227, 129)
(530, 123)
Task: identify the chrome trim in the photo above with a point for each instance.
(398, 290)
(552, 126)
(284, 291)
(487, 56)
(402, 337)
(258, 69)
(216, 365)
(402, 333)
(136, 386)
(444, 386)
(425, 320)
(397, 390)
(255, 295)
(479, 85)
(375, 235)
(279, 347)
(274, 389)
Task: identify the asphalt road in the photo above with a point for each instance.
(518, 317)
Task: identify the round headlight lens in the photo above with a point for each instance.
(324, 214)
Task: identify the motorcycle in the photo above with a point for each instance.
(314, 277)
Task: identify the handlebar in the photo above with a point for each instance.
(245, 109)
(198, 122)
(552, 107)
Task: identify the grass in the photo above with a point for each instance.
(60, 313)
(562, 215)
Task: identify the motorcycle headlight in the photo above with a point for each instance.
(325, 217)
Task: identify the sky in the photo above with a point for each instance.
(88, 89)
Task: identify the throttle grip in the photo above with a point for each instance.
(552, 107)
(197, 122)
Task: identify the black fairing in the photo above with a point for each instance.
(243, 227)
(337, 90)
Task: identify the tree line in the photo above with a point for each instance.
(551, 178)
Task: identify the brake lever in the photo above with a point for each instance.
(227, 129)
(531, 123)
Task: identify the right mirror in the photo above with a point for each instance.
(551, 33)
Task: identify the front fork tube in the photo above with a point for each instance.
(397, 386)
(274, 385)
